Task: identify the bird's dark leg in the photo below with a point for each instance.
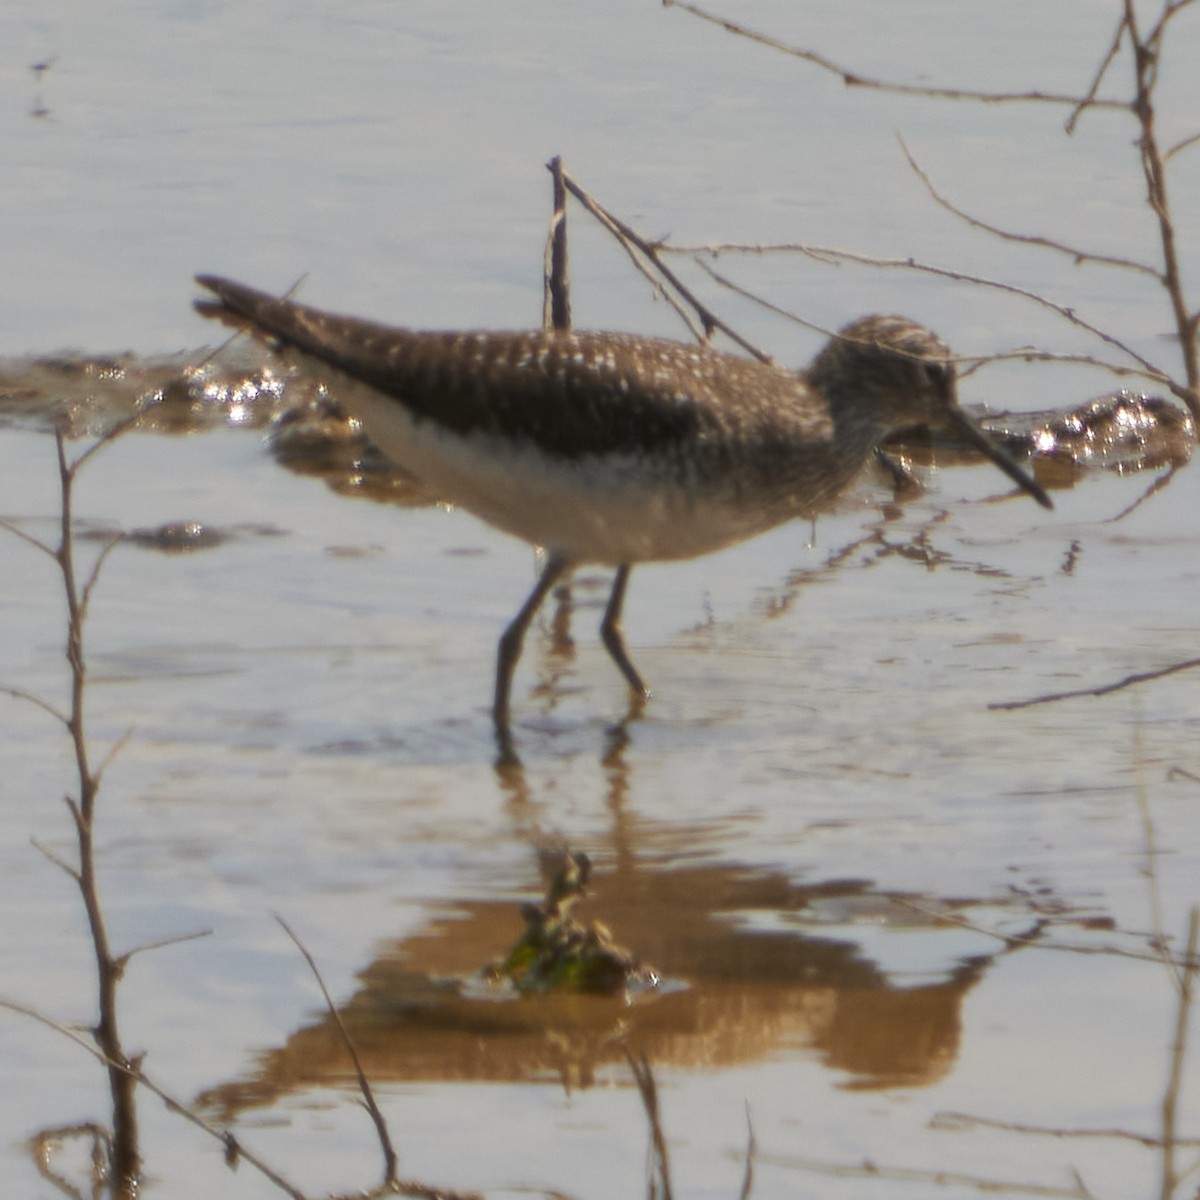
(610, 632)
(513, 637)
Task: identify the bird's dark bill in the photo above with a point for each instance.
(963, 424)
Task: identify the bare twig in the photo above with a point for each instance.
(1145, 60)
(556, 285)
(50, 856)
(659, 1183)
(632, 241)
(1089, 98)
(1145, 52)
(960, 1120)
(110, 435)
(35, 700)
(1177, 970)
(390, 1159)
(139, 1078)
(853, 79)
(751, 1148)
(1181, 145)
(113, 751)
(126, 1162)
(1152, 490)
(1170, 1100)
(28, 538)
(1032, 939)
(831, 254)
(873, 1170)
(1028, 239)
(160, 944)
(1102, 690)
(85, 595)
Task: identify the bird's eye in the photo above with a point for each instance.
(938, 375)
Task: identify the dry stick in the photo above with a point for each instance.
(751, 1148)
(958, 1121)
(1182, 144)
(51, 857)
(831, 254)
(35, 700)
(1145, 57)
(126, 1161)
(1089, 98)
(162, 944)
(852, 79)
(1176, 969)
(1146, 54)
(613, 225)
(233, 1148)
(1032, 940)
(1103, 690)
(385, 1141)
(1170, 1101)
(1154, 488)
(556, 286)
(661, 1166)
(235, 1151)
(1170, 10)
(17, 532)
(872, 1170)
(1028, 239)
(631, 239)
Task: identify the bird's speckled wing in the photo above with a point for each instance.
(573, 394)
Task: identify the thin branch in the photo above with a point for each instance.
(872, 1170)
(853, 79)
(1170, 1100)
(751, 1148)
(614, 227)
(1080, 256)
(556, 283)
(1032, 940)
(113, 751)
(971, 362)
(1181, 145)
(126, 1158)
(1154, 488)
(1170, 10)
(1089, 99)
(1177, 970)
(1102, 690)
(1145, 63)
(51, 857)
(648, 1089)
(85, 595)
(390, 1159)
(35, 700)
(140, 1077)
(28, 538)
(110, 435)
(832, 255)
(629, 237)
(958, 1121)
(122, 960)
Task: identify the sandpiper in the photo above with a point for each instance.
(615, 449)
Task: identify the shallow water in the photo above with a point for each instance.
(817, 817)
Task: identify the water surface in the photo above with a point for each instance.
(817, 816)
